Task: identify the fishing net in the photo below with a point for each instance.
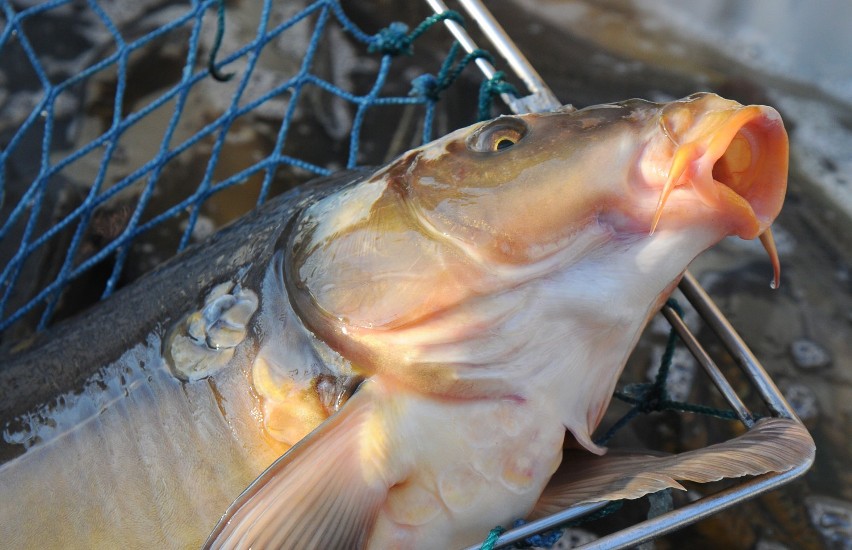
(131, 130)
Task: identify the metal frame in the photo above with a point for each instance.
(541, 98)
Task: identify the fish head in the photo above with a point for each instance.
(492, 284)
(441, 245)
(519, 188)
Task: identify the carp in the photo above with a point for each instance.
(396, 359)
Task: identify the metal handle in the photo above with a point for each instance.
(540, 98)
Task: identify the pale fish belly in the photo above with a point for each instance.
(138, 459)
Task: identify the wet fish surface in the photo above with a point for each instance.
(487, 287)
(105, 444)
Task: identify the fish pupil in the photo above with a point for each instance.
(503, 143)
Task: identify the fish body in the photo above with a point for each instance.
(487, 287)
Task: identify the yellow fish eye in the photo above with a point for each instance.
(498, 135)
(503, 142)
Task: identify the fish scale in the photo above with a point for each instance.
(150, 449)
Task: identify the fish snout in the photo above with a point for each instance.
(727, 163)
(735, 160)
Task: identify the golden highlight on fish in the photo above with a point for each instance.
(422, 339)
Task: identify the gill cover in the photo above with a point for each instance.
(453, 218)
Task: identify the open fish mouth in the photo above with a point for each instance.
(735, 162)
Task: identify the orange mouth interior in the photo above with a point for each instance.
(737, 164)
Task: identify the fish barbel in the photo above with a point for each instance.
(488, 288)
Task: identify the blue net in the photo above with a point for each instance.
(125, 121)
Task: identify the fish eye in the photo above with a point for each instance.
(503, 142)
(498, 135)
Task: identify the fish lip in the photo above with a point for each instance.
(737, 167)
(757, 194)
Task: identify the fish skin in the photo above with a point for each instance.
(491, 296)
(63, 358)
(415, 458)
(93, 421)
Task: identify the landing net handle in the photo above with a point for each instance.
(540, 99)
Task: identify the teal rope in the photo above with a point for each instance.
(430, 87)
(703, 409)
(393, 40)
(660, 392)
(490, 88)
(610, 508)
(217, 43)
(454, 72)
(491, 539)
(433, 19)
(654, 397)
(549, 538)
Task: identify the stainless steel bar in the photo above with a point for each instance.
(709, 365)
(660, 525)
(700, 509)
(735, 344)
(544, 524)
(540, 98)
(543, 98)
(458, 32)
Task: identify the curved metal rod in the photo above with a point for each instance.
(698, 510)
(544, 524)
(714, 318)
(709, 365)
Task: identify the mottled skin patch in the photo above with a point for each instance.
(204, 341)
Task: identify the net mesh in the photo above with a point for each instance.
(126, 122)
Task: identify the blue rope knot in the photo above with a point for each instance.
(426, 86)
(395, 39)
(392, 40)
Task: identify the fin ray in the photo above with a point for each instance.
(772, 445)
(322, 478)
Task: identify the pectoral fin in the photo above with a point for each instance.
(772, 445)
(317, 495)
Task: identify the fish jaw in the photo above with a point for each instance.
(721, 162)
(426, 271)
(460, 221)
